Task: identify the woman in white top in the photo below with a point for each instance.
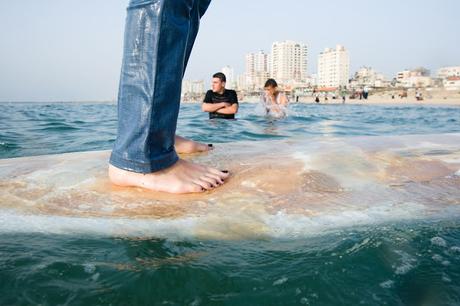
(274, 101)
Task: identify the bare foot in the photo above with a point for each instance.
(187, 146)
(182, 177)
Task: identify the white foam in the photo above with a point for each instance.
(407, 263)
(446, 278)
(280, 281)
(437, 258)
(285, 225)
(279, 225)
(306, 159)
(387, 284)
(361, 201)
(89, 268)
(438, 241)
(17, 223)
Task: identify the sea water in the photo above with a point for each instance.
(410, 262)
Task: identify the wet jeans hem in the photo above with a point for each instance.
(148, 167)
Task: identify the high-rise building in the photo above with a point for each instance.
(257, 70)
(289, 61)
(333, 67)
(229, 75)
(241, 82)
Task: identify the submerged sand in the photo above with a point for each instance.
(277, 189)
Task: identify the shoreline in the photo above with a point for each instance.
(370, 101)
(389, 101)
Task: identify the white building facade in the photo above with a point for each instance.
(368, 77)
(446, 72)
(229, 75)
(452, 83)
(192, 87)
(289, 60)
(257, 70)
(333, 67)
(418, 78)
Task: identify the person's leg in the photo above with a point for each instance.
(156, 38)
(184, 145)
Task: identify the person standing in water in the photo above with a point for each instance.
(274, 101)
(159, 36)
(220, 102)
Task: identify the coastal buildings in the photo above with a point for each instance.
(229, 75)
(289, 61)
(257, 70)
(368, 77)
(333, 67)
(419, 77)
(452, 83)
(192, 90)
(445, 72)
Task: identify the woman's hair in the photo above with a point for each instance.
(271, 83)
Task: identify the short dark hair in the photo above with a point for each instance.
(271, 83)
(220, 76)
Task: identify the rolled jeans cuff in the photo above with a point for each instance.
(157, 164)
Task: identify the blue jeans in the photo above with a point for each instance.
(159, 37)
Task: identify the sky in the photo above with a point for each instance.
(71, 50)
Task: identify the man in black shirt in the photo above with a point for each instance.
(220, 102)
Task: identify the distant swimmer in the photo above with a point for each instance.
(220, 102)
(274, 101)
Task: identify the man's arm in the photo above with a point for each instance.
(229, 110)
(232, 107)
(213, 107)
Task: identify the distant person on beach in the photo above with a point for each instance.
(274, 101)
(317, 98)
(159, 36)
(343, 93)
(220, 102)
(365, 93)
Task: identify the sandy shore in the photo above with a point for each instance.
(453, 100)
(387, 98)
(398, 101)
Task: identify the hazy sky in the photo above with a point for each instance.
(71, 49)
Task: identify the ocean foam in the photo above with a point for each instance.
(342, 185)
(438, 241)
(226, 226)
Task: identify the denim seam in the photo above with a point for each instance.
(158, 40)
(154, 107)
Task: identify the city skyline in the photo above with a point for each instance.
(72, 50)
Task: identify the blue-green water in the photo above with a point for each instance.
(409, 263)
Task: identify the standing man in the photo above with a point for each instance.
(159, 36)
(220, 102)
